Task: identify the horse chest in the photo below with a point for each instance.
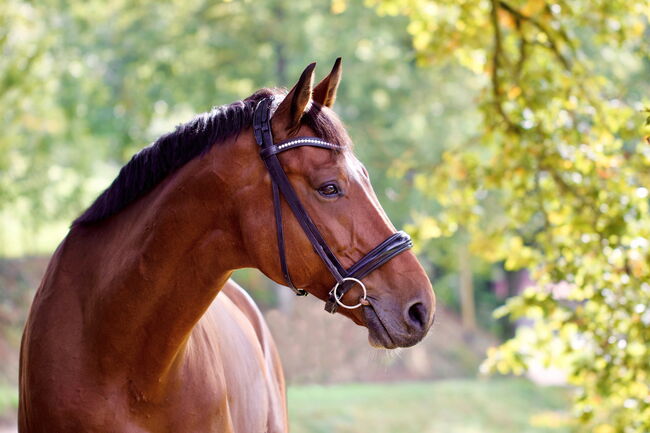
(224, 382)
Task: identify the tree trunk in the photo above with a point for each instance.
(466, 286)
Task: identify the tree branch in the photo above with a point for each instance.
(496, 65)
(542, 28)
(552, 46)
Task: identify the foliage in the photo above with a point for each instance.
(452, 406)
(556, 181)
(8, 401)
(106, 79)
(109, 78)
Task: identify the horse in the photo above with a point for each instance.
(137, 326)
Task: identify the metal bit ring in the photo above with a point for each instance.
(338, 300)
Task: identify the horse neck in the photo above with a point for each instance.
(150, 272)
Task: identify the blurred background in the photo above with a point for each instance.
(508, 137)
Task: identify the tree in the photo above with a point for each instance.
(106, 79)
(555, 180)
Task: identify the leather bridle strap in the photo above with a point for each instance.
(279, 180)
(280, 234)
(394, 245)
(279, 177)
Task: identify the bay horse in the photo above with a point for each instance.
(136, 326)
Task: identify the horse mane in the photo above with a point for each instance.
(154, 163)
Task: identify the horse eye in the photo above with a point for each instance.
(329, 190)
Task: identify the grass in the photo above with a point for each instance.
(453, 406)
(8, 401)
(450, 406)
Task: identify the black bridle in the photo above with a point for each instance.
(345, 278)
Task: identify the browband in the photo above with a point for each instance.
(345, 279)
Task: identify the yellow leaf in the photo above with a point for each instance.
(514, 92)
(533, 6)
(339, 6)
(604, 428)
(636, 349)
(429, 229)
(555, 218)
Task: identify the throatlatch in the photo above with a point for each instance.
(345, 279)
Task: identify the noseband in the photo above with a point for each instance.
(345, 278)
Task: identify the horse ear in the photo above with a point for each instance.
(292, 108)
(325, 91)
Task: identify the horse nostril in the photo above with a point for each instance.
(417, 316)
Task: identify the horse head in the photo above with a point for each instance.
(395, 299)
